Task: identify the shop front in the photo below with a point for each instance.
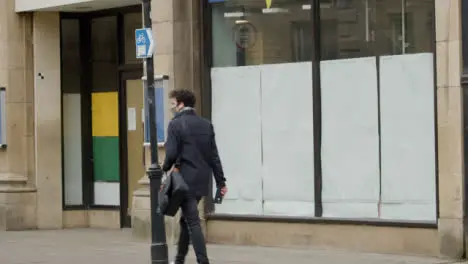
(339, 122)
(336, 142)
(89, 119)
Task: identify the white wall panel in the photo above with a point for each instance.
(350, 138)
(287, 136)
(73, 177)
(107, 193)
(289, 208)
(237, 121)
(408, 137)
(240, 207)
(408, 211)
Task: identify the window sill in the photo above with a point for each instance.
(323, 220)
(74, 208)
(91, 207)
(104, 207)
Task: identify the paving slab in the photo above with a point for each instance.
(91, 246)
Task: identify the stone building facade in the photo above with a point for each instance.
(36, 191)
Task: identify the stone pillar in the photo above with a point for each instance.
(176, 27)
(17, 195)
(450, 128)
(48, 123)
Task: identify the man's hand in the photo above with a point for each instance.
(166, 174)
(224, 190)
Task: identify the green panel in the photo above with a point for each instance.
(106, 159)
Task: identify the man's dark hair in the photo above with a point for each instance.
(183, 96)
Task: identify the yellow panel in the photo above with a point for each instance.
(105, 108)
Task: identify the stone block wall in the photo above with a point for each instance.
(450, 127)
(17, 161)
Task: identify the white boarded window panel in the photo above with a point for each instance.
(350, 138)
(408, 137)
(73, 178)
(107, 193)
(288, 149)
(237, 122)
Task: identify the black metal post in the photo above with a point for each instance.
(317, 104)
(159, 252)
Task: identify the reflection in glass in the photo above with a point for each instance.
(104, 54)
(361, 28)
(70, 55)
(464, 4)
(405, 26)
(132, 21)
(346, 29)
(247, 33)
(71, 112)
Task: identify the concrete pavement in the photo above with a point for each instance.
(89, 246)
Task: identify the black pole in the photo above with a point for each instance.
(317, 105)
(159, 252)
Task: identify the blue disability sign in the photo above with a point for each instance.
(144, 43)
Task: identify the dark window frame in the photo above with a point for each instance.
(86, 78)
(207, 64)
(464, 87)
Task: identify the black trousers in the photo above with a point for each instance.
(190, 228)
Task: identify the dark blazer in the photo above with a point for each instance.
(191, 147)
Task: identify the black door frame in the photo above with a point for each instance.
(464, 87)
(125, 72)
(315, 34)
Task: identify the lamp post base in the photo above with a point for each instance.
(159, 252)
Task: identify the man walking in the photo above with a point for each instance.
(191, 149)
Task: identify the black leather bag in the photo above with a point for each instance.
(174, 191)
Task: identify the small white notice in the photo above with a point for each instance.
(131, 119)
